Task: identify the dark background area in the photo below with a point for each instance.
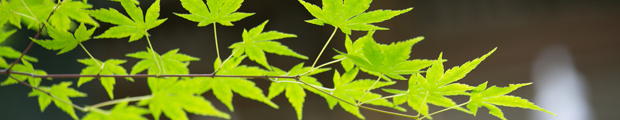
(462, 30)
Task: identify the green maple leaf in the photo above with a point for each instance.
(294, 91)
(481, 96)
(63, 40)
(27, 68)
(349, 15)
(70, 9)
(41, 9)
(220, 11)
(9, 52)
(9, 15)
(176, 98)
(390, 60)
(256, 42)
(5, 34)
(109, 67)
(223, 87)
(172, 62)
(60, 91)
(436, 86)
(351, 91)
(136, 27)
(121, 111)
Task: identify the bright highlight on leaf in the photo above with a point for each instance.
(63, 40)
(256, 42)
(134, 28)
(294, 90)
(60, 91)
(109, 67)
(176, 98)
(481, 96)
(390, 60)
(121, 111)
(349, 15)
(220, 11)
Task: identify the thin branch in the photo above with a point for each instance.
(386, 97)
(445, 109)
(35, 36)
(48, 93)
(373, 85)
(139, 75)
(112, 102)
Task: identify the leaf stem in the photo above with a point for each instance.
(154, 56)
(327, 43)
(33, 16)
(217, 49)
(423, 103)
(386, 97)
(112, 102)
(35, 36)
(323, 65)
(445, 109)
(91, 56)
(373, 85)
(225, 60)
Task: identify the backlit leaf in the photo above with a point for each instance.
(256, 42)
(349, 15)
(63, 40)
(61, 91)
(109, 67)
(489, 97)
(390, 60)
(294, 91)
(220, 11)
(135, 28)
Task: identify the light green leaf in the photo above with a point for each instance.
(171, 62)
(75, 10)
(63, 40)
(62, 92)
(5, 34)
(255, 43)
(136, 27)
(349, 15)
(220, 11)
(9, 15)
(352, 91)
(223, 87)
(120, 111)
(481, 96)
(294, 91)
(175, 99)
(26, 67)
(109, 67)
(432, 90)
(389, 60)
